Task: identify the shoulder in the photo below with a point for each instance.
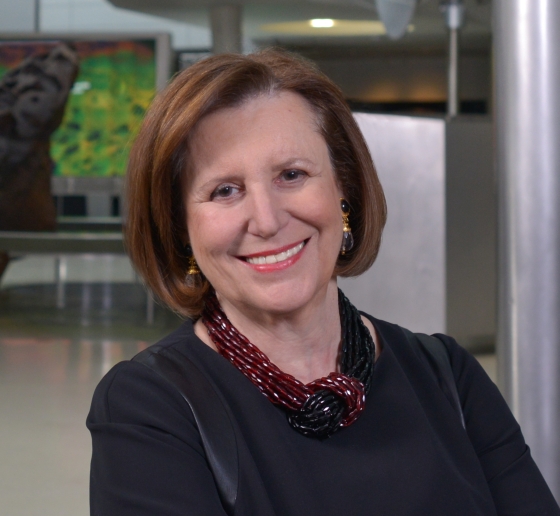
(132, 390)
(483, 407)
(148, 455)
(411, 353)
(402, 342)
(406, 342)
(131, 393)
(181, 339)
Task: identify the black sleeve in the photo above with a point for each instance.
(515, 481)
(147, 457)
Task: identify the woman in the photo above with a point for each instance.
(250, 190)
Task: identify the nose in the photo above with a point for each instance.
(265, 214)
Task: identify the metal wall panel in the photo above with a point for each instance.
(471, 219)
(406, 285)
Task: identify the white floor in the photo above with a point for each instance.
(48, 373)
(45, 449)
(46, 384)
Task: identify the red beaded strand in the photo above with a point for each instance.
(279, 387)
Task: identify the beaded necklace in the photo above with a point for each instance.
(319, 408)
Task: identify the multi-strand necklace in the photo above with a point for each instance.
(319, 408)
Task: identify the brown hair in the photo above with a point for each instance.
(155, 229)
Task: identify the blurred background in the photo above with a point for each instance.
(440, 91)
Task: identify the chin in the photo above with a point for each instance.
(282, 299)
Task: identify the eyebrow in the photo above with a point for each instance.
(294, 161)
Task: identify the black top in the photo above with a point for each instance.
(406, 455)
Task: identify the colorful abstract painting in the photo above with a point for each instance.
(115, 86)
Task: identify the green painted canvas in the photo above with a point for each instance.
(114, 88)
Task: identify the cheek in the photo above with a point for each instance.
(210, 233)
(324, 210)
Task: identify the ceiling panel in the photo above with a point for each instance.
(429, 33)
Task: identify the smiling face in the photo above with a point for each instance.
(263, 205)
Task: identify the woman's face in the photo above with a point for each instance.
(263, 205)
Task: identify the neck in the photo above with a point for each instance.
(304, 343)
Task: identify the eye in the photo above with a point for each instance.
(292, 175)
(225, 192)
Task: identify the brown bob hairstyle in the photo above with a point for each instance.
(156, 229)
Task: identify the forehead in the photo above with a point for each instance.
(279, 100)
(280, 121)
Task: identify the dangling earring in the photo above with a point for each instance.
(347, 238)
(193, 266)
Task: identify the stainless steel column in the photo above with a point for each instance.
(453, 74)
(526, 37)
(225, 21)
(454, 11)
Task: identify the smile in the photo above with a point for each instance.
(276, 258)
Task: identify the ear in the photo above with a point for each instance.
(341, 194)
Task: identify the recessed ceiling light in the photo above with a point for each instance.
(334, 28)
(321, 23)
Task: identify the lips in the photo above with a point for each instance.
(274, 257)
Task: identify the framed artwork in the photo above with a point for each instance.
(119, 76)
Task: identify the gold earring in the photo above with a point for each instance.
(193, 267)
(347, 238)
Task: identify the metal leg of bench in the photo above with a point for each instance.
(150, 307)
(60, 274)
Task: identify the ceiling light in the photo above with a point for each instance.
(321, 23)
(396, 15)
(339, 28)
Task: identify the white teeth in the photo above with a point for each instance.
(275, 258)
